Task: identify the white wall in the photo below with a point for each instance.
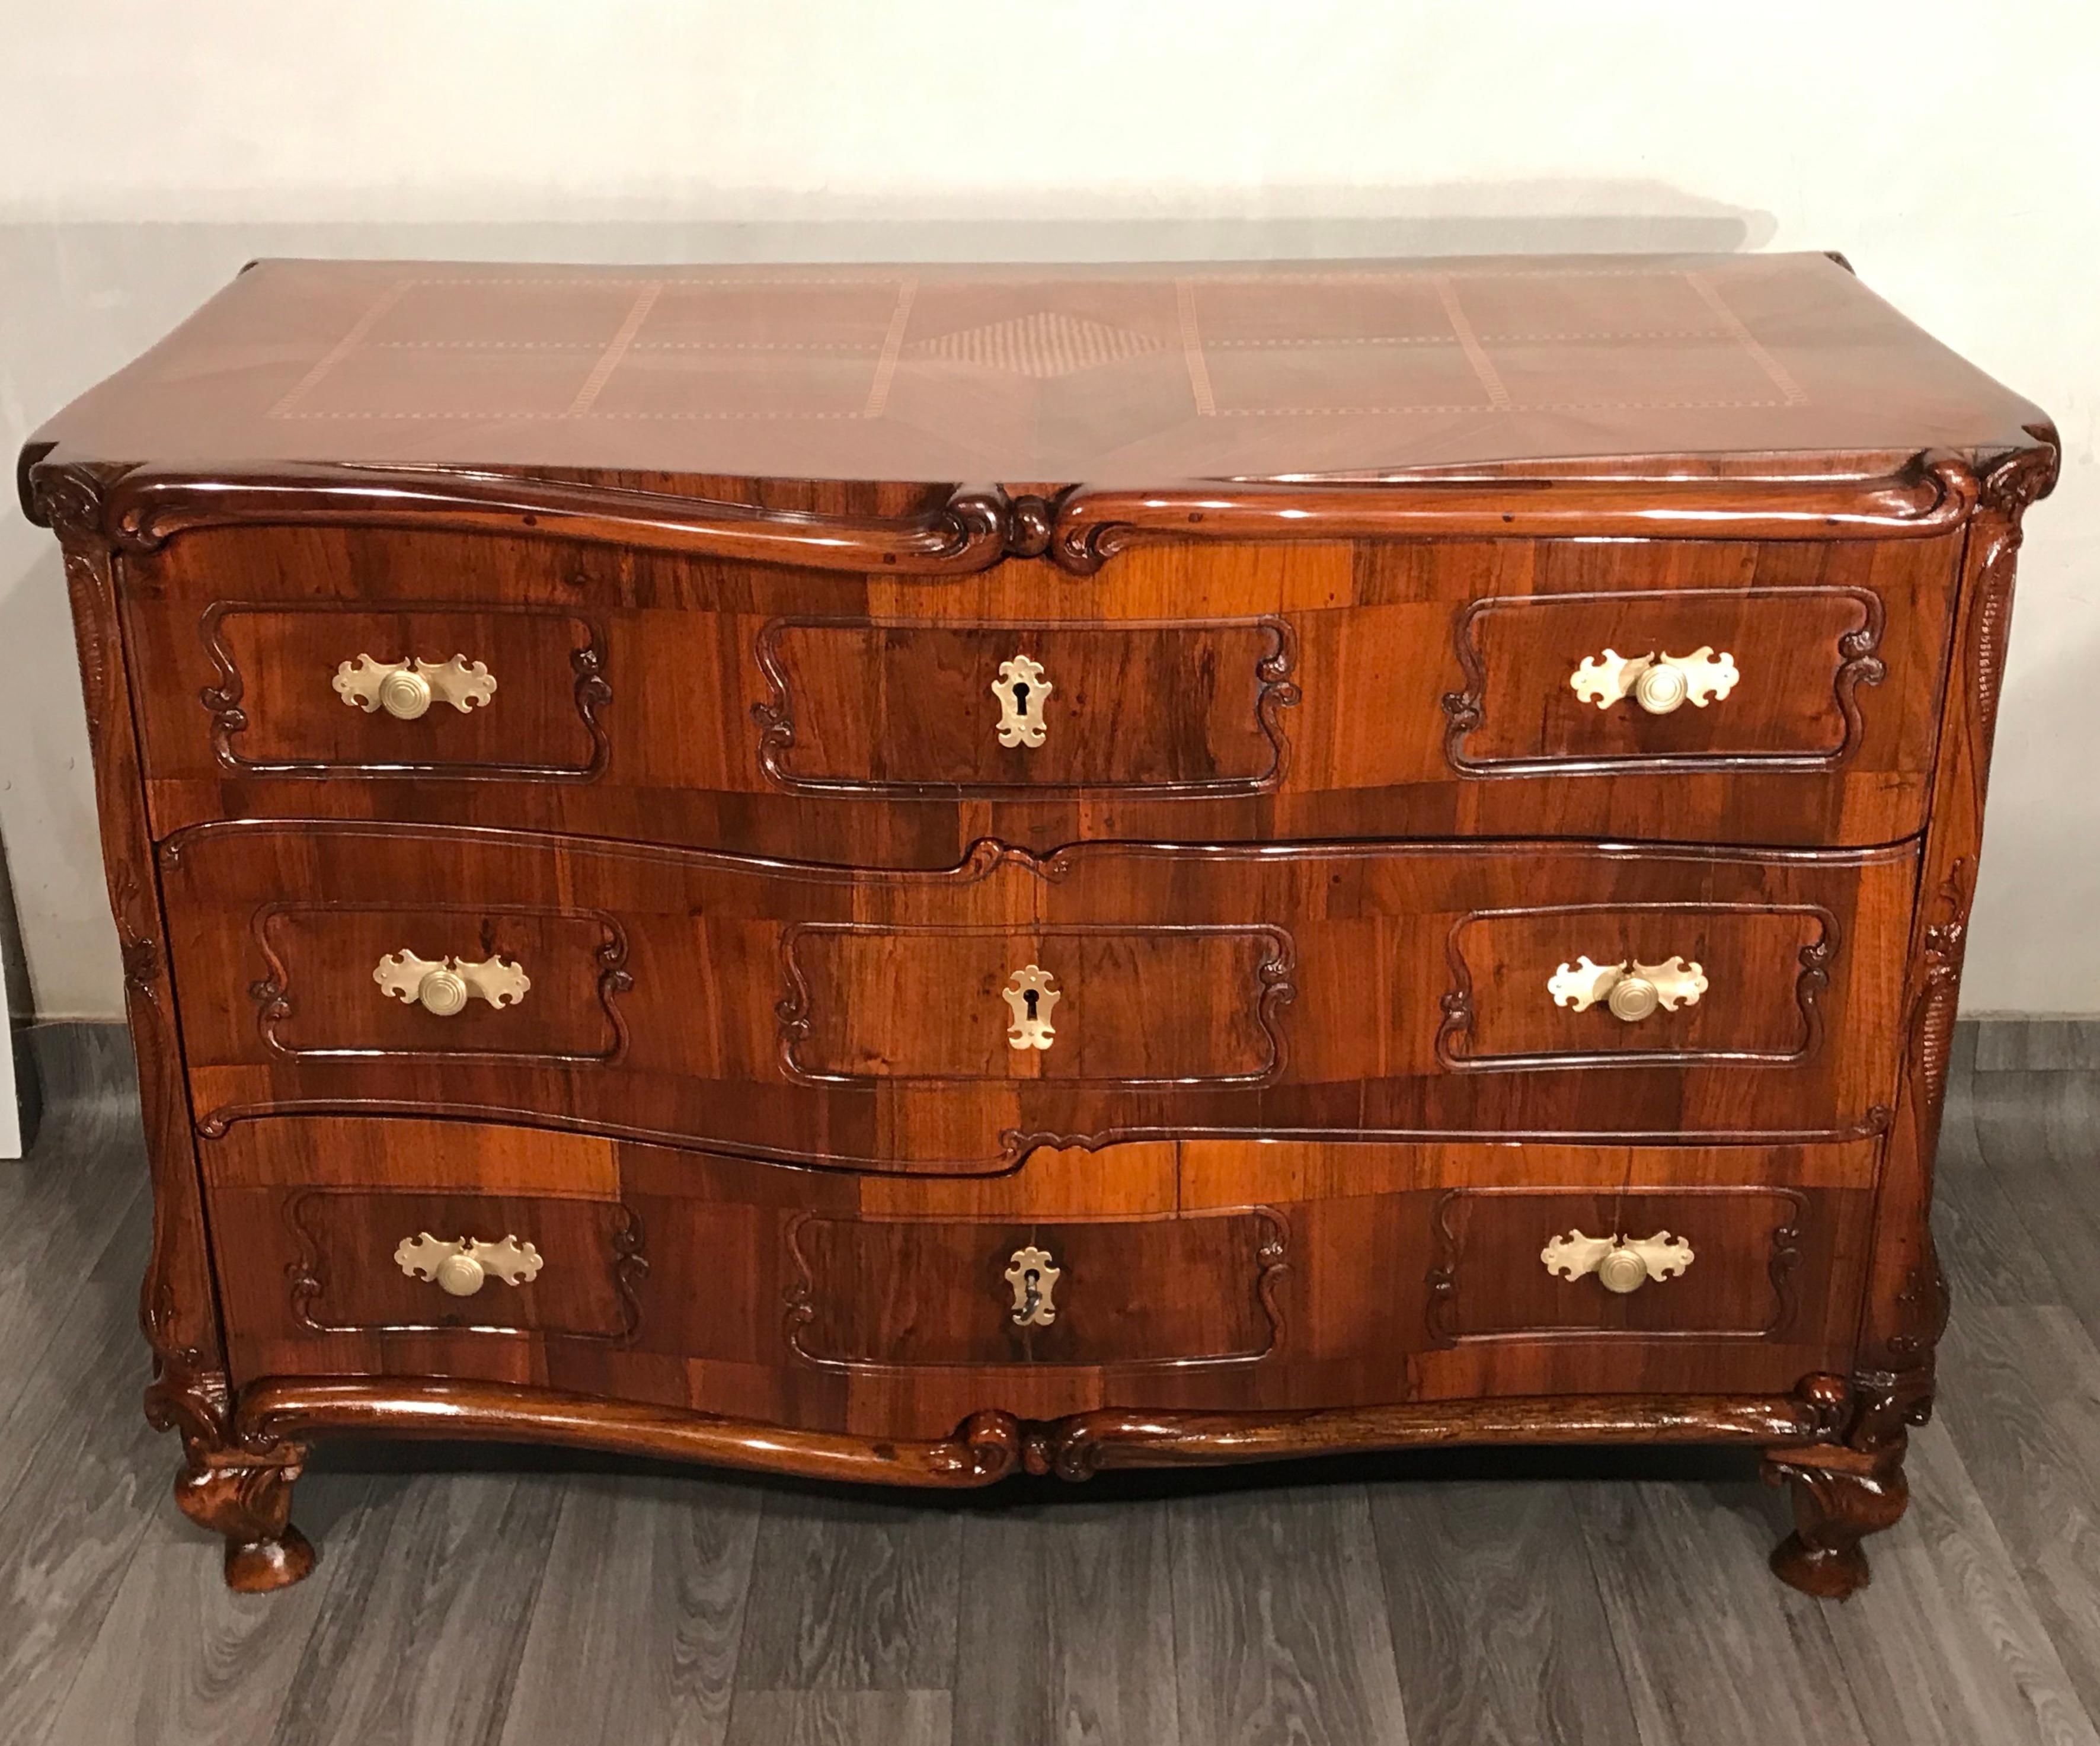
(1951, 152)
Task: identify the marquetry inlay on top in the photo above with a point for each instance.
(1116, 374)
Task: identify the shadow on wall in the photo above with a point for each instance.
(78, 301)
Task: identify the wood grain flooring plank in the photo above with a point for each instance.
(181, 1660)
(1066, 1631)
(1944, 1645)
(851, 1592)
(86, 1476)
(2040, 1135)
(418, 1638)
(1985, 1248)
(1715, 1652)
(2021, 1402)
(635, 1633)
(78, 1192)
(1280, 1629)
(1499, 1630)
(840, 1718)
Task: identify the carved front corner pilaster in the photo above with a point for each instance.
(177, 1302)
(248, 1499)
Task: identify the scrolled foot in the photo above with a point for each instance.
(250, 1501)
(1839, 1497)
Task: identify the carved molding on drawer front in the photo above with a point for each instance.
(1667, 920)
(622, 1260)
(1276, 689)
(1854, 663)
(1782, 1260)
(275, 995)
(1268, 990)
(591, 691)
(1270, 1266)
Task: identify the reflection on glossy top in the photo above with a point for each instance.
(1116, 375)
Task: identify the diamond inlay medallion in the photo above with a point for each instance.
(1044, 345)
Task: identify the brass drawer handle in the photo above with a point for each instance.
(1659, 683)
(463, 1265)
(1022, 690)
(1030, 994)
(444, 985)
(1033, 1279)
(407, 689)
(1632, 990)
(1621, 1263)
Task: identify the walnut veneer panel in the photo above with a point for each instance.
(859, 1018)
(732, 1288)
(1198, 694)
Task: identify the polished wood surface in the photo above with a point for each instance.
(1304, 808)
(1136, 376)
(1302, 1276)
(857, 1019)
(1200, 694)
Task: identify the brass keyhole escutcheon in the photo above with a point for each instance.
(1021, 688)
(1033, 1277)
(1031, 994)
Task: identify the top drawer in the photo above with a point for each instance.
(1781, 693)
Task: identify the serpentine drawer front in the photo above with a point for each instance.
(947, 1021)
(1364, 692)
(905, 873)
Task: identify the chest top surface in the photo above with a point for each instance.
(1125, 376)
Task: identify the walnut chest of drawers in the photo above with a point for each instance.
(910, 873)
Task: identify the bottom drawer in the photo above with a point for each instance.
(1204, 1276)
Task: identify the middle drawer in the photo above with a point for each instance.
(951, 1021)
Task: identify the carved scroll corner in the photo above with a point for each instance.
(2024, 477)
(73, 498)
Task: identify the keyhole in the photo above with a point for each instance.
(1029, 998)
(1021, 697)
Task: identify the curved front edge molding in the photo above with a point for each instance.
(990, 1444)
(1933, 495)
(142, 507)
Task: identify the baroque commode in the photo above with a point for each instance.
(905, 874)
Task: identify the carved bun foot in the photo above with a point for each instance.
(250, 1503)
(1839, 1497)
(255, 1566)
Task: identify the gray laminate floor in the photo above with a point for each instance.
(516, 1599)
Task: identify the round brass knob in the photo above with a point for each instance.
(462, 1275)
(1620, 1270)
(1633, 998)
(442, 991)
(405, 695)
(1660, 688)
